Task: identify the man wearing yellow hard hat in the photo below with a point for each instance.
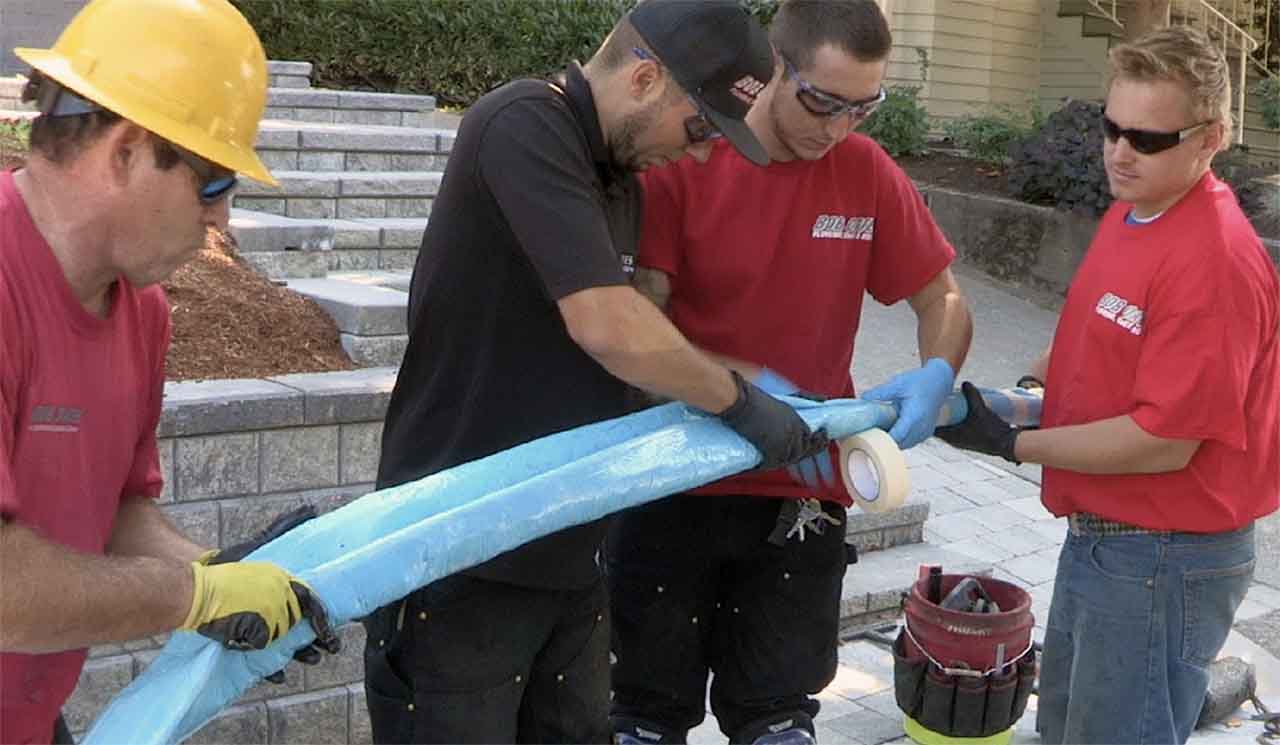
(148, 110)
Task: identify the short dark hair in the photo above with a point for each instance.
(59, 138)
(617, 48)
(857, 27)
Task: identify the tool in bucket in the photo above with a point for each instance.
(964, 662)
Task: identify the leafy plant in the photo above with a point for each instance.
(454, 50)
(1268, 91)
(1061, 162)
(901, 124)
(1259, 201)
(988, 136)
(14, 136)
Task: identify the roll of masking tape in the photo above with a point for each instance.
(874, 471)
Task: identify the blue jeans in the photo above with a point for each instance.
(1134, 623)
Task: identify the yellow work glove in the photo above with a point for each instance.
(248, 605)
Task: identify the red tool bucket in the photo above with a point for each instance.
(975, 641)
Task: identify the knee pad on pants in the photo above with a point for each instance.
(795, 728)
(635, 731)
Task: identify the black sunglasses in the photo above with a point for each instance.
(698, 127)
(820, 103)
(1146, 141)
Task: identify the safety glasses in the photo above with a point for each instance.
(697, 127)
(821, 103)
(216, 182)
(1146, 141)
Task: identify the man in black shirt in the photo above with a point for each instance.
(522, 323)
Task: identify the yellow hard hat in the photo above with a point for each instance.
(191, 71)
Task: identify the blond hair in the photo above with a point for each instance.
(1182, 55)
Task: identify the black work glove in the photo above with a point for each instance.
(981, 431)
(310, 654)
(774, 428)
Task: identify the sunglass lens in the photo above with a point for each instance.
(1141, 140)
(217, 188)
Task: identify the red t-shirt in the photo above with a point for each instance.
(80, 399)
(769, 265)
(1175, 324)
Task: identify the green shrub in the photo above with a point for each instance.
(988, 136)
(1268, 90)
(14, 136)
(901, 124)
(1258, 201)
(455, 50)
(1061, 163)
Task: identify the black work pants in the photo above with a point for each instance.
(697, 587)
(470, 660)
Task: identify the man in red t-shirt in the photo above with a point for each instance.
(1161, 428)
(131, 162)
(766, 269)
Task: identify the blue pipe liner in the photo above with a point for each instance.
(391, 542)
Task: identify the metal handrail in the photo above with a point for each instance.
(1112, 15)
(1228, 30)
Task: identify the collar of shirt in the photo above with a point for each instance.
(577, 91)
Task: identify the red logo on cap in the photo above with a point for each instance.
(746, 88)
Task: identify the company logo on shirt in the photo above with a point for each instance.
(1118, 310)
(844, 228)
(48, 418)
(628, 263)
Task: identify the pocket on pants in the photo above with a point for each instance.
(389, 700)
(1128, 559)
(1210, 600)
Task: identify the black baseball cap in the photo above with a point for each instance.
(718, 53)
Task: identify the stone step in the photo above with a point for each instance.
(343, 194)
(11, 95)
(287, 74)
(371, 320)
(281, 247)
(390, 280)
(884, 530)
(320, 703)
(355, 107)
(873, 587)
(309, 146)
(387, 244)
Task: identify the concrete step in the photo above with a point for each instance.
(387, 244)
(390, 280)
(343, 194)
(308, 146)
(884, 530)
(371, 320)
(873, 587)
(320, 703)
(282, 247)
(11, 94)
(287, 74)
(355, 107)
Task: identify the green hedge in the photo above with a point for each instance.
(455, 50)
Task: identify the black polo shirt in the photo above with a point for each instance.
(531, 209)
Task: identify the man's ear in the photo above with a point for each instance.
(1217, 138)
(126, 144)
(645, 80)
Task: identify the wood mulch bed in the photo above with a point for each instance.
(954, 172)
(231, 322)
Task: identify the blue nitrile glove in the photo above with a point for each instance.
(919, 395)
(816, 471)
